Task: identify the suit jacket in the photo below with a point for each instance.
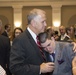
(65, 39)
(25, 57)
(5, 34)
(48, 57)
(63, 59)
(48, 60)
(4, 52)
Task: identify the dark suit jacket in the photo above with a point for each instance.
(5, 34)
(4, 51)
(65, 39)
(25, 57)
(48, 59)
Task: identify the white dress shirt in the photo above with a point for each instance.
(32, 34)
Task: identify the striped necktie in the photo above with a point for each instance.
(40, 48)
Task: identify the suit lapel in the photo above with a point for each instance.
(56, 51)
(33, 43)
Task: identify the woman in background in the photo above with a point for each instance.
(17, 31)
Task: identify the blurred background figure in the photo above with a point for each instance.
(71, 33)
(63, 36)
(56, 35)
(7, 28)
(50, 31)
(17, 31)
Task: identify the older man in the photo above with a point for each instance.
(26, 57)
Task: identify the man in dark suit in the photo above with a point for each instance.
(63, 36)
(7, 30)
(26, 57)
(63, 53)
(4, 51)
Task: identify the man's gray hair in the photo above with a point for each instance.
(33, 14)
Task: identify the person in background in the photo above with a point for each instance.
(63, 54)
(71, 33)
(26, 56)
(4, 51)
(50, 31)
(7, 30)
(56, 35)
(17, 31)
(63, 36)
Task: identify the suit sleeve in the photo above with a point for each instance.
(19, 64)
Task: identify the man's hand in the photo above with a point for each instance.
(46, 67)
(74, 66)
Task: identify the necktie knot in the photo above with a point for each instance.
(53, 55)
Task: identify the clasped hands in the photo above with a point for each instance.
(47, 67)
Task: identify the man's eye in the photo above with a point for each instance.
(48, 45)
(42, 21)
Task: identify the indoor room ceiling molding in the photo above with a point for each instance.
(5, 3)
(38, 0)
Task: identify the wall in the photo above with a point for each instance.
(6, 15)
(68, 12)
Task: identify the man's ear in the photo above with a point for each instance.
(33, 23)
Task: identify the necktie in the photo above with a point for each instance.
(53, 55)
(42, 53)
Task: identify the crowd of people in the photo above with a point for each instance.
(38, 50)
(66, 33)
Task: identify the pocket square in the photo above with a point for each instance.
(60, 61)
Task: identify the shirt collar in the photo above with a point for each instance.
(32, 34)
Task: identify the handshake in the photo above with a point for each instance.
(47, 67)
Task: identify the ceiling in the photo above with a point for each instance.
(37, 2)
